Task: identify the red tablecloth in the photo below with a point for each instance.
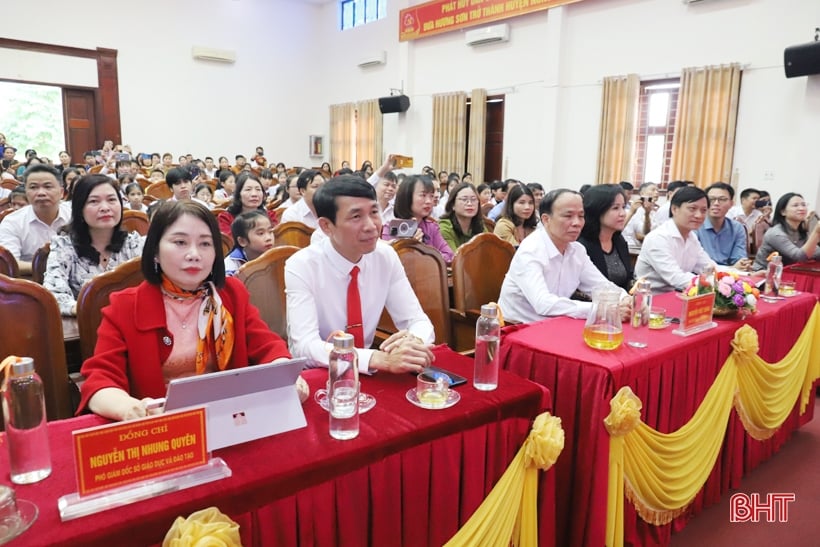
(671, 377)
(412, 477)
(806, 276)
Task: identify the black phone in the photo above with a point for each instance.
(434, 373)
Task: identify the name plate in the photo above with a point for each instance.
(111, 456)
(696, 315)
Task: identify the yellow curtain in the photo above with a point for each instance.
(704, 140)
(509, 514)
(368, 133)
(341, 134)
(619, 128)
(478, 135)
(662, 473)
(449, 131)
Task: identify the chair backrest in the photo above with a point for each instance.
(159, 190)
(427, 273)
(479, 267)
(9, 184)
(32, 327)
(264, 278)
(489, 224)
(8, 264)
(292, 233)
(94, 296)
(39, 262)
(227, 243)
(135, 221)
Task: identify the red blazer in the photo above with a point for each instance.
(133, 341)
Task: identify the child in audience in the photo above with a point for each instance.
(134, 195)
(17, 198)
(203, 193)
(157, 175)
(252, 235)
(224, 188)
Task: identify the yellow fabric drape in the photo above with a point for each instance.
(619, 128)
(206, 528)
(704, 140)
(341, 134)
(476, 144)
(510, 511)
(449, 131)
(662, 473)
(369, 133)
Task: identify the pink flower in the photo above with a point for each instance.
(725, 289)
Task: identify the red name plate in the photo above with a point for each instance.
(445, 15)
(697, 311)
(111, 456)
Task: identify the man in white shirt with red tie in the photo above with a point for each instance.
(344, 281)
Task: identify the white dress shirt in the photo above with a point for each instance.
(635, 226)
(316, 280)
(541, 280)
(668, 261)
(22, 233)
(300, 212)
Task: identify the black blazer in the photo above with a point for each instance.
(596, 254)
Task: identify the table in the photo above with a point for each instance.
(412, 477)
(671, 377)
(805, 275)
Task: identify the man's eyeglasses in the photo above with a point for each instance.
(722, 199)
(468, 201)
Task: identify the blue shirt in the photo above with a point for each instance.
(726, 246)
(497, 210)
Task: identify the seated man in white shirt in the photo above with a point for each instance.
(641, 219)
(550, 265)
(318, 280)
(23, 232)
(672, 255)
(303, 211)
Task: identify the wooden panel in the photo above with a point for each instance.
(108, 101)
(494, 148)
(80, 122)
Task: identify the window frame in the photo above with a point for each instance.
(357, 5)
(648, 89)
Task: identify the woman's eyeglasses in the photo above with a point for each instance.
(467, 201)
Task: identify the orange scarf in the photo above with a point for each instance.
(214, 323)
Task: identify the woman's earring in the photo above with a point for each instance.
(156, 267)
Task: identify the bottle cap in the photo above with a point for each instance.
(343, 341)
(25, 365)
(489, 310)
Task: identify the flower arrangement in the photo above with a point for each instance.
(731, 292)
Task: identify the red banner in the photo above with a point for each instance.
(114, 455)
(445, 15)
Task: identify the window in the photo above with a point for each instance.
(656, 127)
(32, 117)
(359, 12)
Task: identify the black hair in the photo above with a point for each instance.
(628, 186)
(243, 224)
(721, 186)
(403, 205)
(745, 193)
(675, 185)
(584, 187)
(517, 192)
(20, 189)
(78, 227)
(365, 164)
(266, 174)
(177, 175)
(481, 187)
(549, 199)
(131, 186)
(201, 186)
(597, 201)
(779, 218)
(535, 186)
(240, 156)
(43, 168)
(236, 206)
(306, 177)
(476, 223)
(223, 176)
(68, 171)
(162, 218)
(344, 171)
(687, 194)
(324, 200)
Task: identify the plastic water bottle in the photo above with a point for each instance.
(641, 306)
(487, 333)
(773, 274)
(24, 410)
(343, 388)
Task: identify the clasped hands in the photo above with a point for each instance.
(402, 352)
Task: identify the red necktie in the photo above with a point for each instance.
(354, 309)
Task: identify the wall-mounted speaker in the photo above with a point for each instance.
(395, 103)
(802, 60)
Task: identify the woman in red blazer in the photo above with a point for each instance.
(186, 318)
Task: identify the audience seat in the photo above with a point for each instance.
(489, 224)
(32, 327)
(9, 184)
(264, 278)
(159, 190)
(227, 243)
(94, 296)
(8, 264)
(39, 263)
(135, 221)
(479, 267)
(292, 233)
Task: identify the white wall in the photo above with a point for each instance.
(293, 63)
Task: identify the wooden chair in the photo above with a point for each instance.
(8, 266)
(292, 233)
(96, 169)
(33, 328)
(159, 190)
(94, 296)
(264, 278)
(135, 221)
(427, 273)
(9, 184)
(479, 267)
(489, 224)
(39, 263)
(227, 243)
(5, 203)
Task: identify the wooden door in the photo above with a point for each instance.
(80, 122)
(494, 147)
